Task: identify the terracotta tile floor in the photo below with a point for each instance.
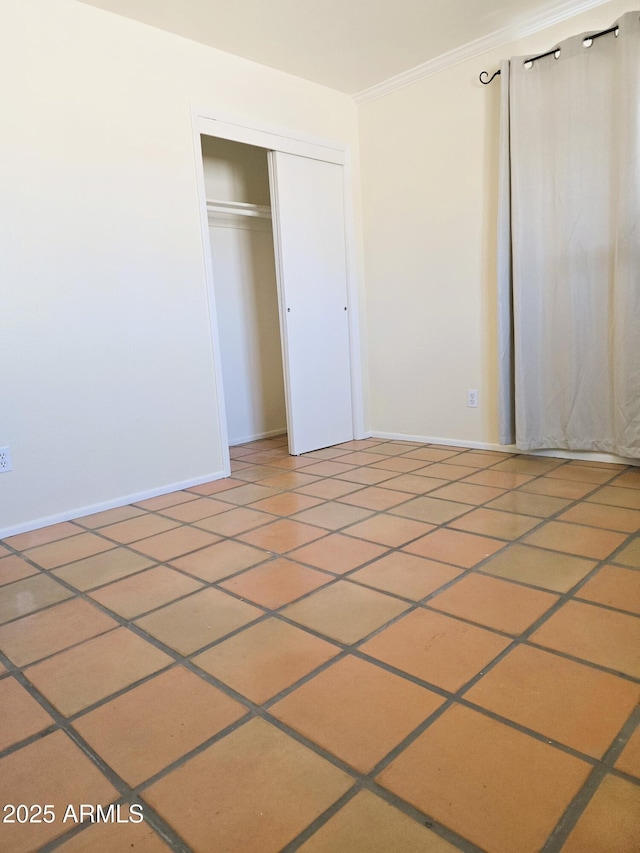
(381, 647)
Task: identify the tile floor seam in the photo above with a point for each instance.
(162, 829)
(567, 656)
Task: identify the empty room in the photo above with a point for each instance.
(320, 426)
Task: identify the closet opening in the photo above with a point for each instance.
(238, 200)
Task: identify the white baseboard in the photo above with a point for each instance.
(234, 442)
(588, 456)
(80, 512)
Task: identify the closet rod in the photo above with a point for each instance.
(586, 39)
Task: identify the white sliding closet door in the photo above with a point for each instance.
(309, 236)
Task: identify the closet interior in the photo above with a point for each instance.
(242, 251)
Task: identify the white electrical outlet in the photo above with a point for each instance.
(472, 398)
(5, 460)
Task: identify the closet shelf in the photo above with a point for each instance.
(238, 208)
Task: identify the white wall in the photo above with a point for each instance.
(429, 196)
(107, 382)
(246, 296)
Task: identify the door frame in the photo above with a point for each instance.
(207, 122)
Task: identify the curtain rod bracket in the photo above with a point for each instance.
(484, 74)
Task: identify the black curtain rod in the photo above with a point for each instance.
(485, 74)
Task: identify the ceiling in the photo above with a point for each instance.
(349, 45)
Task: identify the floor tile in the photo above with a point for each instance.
(195, 510)
(63, 551)
(140, 527)
(338, 553)
(538, 567)
(583, 473)
(400, 464)
(376, 498)
(333, 515)
(109, 516)
(615, 587)
(452, 546)
(329, 489)
(629, 759)
(115, 837)
(576, 539)
(495, 603)
(436, 648)
(43, 535)
(569, 702)
(498, 479)
(466, 771)
(266, 786)
(175, 543)
(594, 634)
(527, 503)
(14, 568)
(600, 515)
(276, 583)
(170, 499)
(467, 493)
(535, 465)
(26, 596)
(252, 473)
(630, 554)
(477, 458)
(358, 457)
(292, 463)
(196, 621)
(431, 454)
(76, 678)
(431, 510)
(41, 634)
(50, 771)
(628, 480)
(366, 476)
(215, 487)
(282, 536)
(155, 724)
(362, 444)
(614, 496)
(247, 494)
(395, 448)
(22, 716)
(406, 575)
(413, 483)
(357, 711)
(289, 480)
(491, 522)
(220, 560)
(145, 591)
(344, 611)
(558, 488)
(330, 453)
(265, 658)
(103, 568)
(610, 820)
(234, 521)
(448, 471)
(388, 530)
(367, 824)
(328, 468)
(286, 504)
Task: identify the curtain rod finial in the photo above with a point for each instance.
(485, 74)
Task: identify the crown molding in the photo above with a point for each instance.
(531, 25)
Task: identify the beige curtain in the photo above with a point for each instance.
(572, 152)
